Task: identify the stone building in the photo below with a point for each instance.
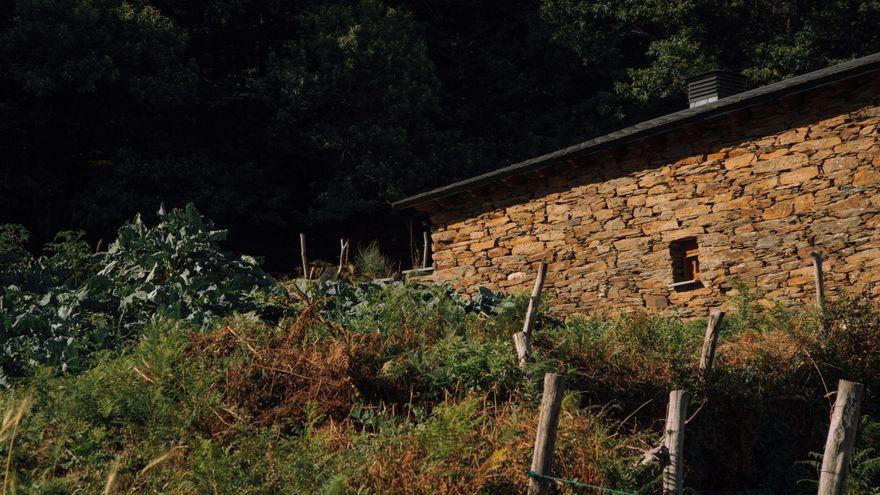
(666, 214)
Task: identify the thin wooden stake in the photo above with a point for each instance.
(710, 342)
(820, 280)
(673, 473)
(545, 438)
(820, 288)
(326, 273)
(426, 245)
(305, 258)
(522, 340)
(841, 438)
(343, 246)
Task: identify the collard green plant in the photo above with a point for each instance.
(60, 307)
(370, 304)
(40, 303)
(178, 270)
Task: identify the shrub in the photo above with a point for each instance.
(852, 336)
(370, 263)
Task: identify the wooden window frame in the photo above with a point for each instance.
(685, 255)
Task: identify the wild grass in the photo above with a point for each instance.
(8, 430)
(167, 365)
(395, 390)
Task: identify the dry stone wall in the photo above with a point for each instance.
(759, 190)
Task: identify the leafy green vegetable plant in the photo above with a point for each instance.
(60, 307)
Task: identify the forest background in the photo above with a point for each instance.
(275, 117)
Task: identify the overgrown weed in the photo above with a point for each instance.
(372, 388)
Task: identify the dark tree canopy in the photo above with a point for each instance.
(275, 116)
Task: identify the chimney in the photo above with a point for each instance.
(713, 86)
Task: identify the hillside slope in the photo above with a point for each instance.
(261, 388)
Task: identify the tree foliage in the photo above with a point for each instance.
(652, 46)
(273, 116)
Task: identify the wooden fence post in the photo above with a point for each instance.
(522, 343)
(710, 342)
(426, 246)
(841, 438)
(545, 438)
(535, 298)
(676, 412)
(820, 280)
(522, 340)
(302, 251)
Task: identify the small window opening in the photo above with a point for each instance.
(685, 254)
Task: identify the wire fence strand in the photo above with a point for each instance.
(580, 484)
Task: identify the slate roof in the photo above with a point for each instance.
(659, 125)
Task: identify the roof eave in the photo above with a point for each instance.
(659, 125)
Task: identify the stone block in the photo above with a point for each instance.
(443, 236)
(656, 302)
(635, 243)
(551, 235)
(739, 161)
(674, 235)
(773, 154)
(761, 185)
(779, 164)
(483, 245)
(660, 199)
(791, 137)
(779, 210)
(558, 213)
(835, 163)
(817, 144)
(870, 255)
(734, 204)
(661, 226)
(799, 176)
(855, 145)
(498, 252)
(692, 211)
(804, 203)
(497, 220)
(866, 177)
(527, 248)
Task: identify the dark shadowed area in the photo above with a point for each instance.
(279, 117)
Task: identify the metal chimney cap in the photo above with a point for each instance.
(714, 85)
(714, 72)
